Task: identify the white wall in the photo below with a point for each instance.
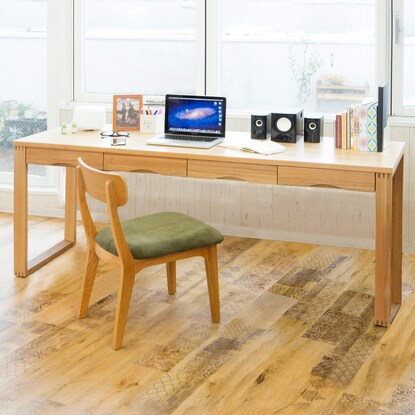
(406, 133)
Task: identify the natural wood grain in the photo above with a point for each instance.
(63, 157)
(171, 277)
(111, 188)
(211, 265)
(170, 166)
(46, 256)
(232, 171)
(396, 265)
(20, 209)
(352, 170)
(323, 155)
(296, 335)
(384, 222)
(348, 180)
(70, 205)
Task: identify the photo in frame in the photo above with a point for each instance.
(126, 112)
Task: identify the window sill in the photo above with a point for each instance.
(396, 121)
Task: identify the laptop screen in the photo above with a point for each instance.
(195, 115)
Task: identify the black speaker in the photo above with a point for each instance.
(259, 126)
(313, 128)
(286, 126)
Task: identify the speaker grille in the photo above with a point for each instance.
(312, 126)
(284, 125)
(259, 126)
(313, 129)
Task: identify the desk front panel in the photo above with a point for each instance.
(255, 173)
(67, 158)
(168, 166)
(340, 179)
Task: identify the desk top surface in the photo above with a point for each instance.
(317, 155)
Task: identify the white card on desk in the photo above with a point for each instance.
(253, 146)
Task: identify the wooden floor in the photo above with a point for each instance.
(296, 336)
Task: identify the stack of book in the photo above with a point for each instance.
(357, 126)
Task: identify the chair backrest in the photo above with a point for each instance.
(94, 182)
(109, 188)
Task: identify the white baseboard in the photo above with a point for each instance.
(43, 212)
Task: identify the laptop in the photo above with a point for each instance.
(193, 121)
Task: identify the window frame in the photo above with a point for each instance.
(208, 50)
(79, 96)
(59, 92)
(397, 62)
(50, 183)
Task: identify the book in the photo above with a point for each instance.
(355, 125)
(367, 137)
(344, 129)
(361, 142)
(253, 146)
(352, 125)
(338, 131)
(349, 128)
(371, 127)
(382, 116)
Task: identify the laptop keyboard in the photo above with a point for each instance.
(190, 137)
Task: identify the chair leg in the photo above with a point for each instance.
(211, 263)
(171, 277)
(88, 282)
(123, 305)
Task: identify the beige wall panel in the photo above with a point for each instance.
(201, 203)
(217, 192)
(281, 207)
(312, 216)
(249, 210)
(233, 203)
(263, 206)
(172, 193)
(296, 210)
(186, 196)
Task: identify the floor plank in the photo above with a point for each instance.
(296, 335)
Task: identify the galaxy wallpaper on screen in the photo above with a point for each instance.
(187, 115)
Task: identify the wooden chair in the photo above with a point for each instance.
(138, 243)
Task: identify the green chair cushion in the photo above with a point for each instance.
(161, 234)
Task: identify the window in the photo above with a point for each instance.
(22, 79)
(135, 46)
(260, 54)
(296, 53)
(403, 57)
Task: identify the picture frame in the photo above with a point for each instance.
(126, 112)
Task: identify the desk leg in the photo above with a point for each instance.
(70, 205)
(23, 267)
(397, 206)
(20, 212)
(388, 278)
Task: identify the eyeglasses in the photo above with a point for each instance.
(114, 134)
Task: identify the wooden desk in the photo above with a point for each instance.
(319, 165)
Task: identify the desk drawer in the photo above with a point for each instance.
(53, 157)
(168, 166)
(341, 179)
(255, 173)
